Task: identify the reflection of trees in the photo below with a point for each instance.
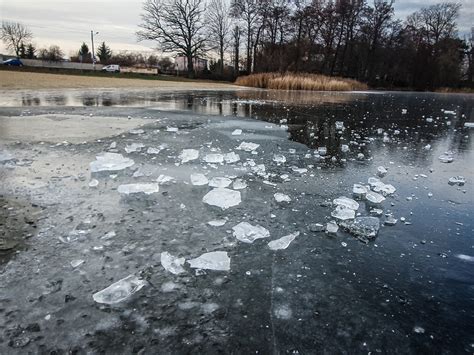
(90, 101)
(28, 100)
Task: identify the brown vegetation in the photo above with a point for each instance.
(300, 81)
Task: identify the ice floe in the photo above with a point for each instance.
(283, 242)
(279, 197)
(216, 260)
(147, 189)
(188, 155)
(199, 179)
(223, 198)
(110, 162)
(120, 290)
(248, 146)
(172, 263)
(247, 233)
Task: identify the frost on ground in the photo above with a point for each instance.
(120, 290)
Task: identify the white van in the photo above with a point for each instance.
(112, 68)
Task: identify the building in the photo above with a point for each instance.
(181, 64)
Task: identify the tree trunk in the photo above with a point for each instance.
(190, 66)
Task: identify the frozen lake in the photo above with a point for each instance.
(135, 221)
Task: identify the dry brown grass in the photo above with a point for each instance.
(302, 81)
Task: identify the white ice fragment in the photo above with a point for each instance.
(147, 189)
(469, 124)
(153, 151)
(279, 197)
(237, 132)
(248, 146)
(381, 171)
(134, 147)
(457, 180)
(120, 290)
(172, 263)
(322, 150)
(283, 242)
(94, 183)
(343, 213)
(339, 125)
(239, 184)
(346, 202)
(220, 182)
(199, 179)
(76, 263)
(113, 145)
(214, 158)
(172, 129)
(359, 191)
(279, 158)
(332, 227)
(110, 162)
(446, 157)
(360, 156)
(223, 198)
(165, 179)
(109, 235)
(345, 148)
(216, 260)
(419, 330)
(465, 257)
(217, 222)
(247, 233)
(374, 197)
(136, 131)
(404, 111)
(188, 155)
(231, 158)
(427, 147)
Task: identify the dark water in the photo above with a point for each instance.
(409, 291)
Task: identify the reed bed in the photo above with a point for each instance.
(301, 81)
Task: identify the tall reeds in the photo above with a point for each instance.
(300, 81)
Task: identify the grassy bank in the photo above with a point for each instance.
(301, 81)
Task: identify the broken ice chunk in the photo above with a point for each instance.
(446, 157)
(363, 228)
(76, 263)
(359, 191)
(147, 189)
(136, 131)
(465, 257)
(172, 129)
(237, 132)
(316, 227)
(374, 197)
(381, 171)
(94, 183)
(346, 202)
(457, 180)
(332, 227)
(110, 162)
(248, 147)
(344, 148)
(134, 147)
(469, 124)
(214, 158)
(239, 184)
(216, 260)
(390, 221)
(231, 158)
(199, 179)
(120, 290)
(223, 198)
(217, 222)
(172, 263)
(165, 179)
(279, 158)
(283, 242)
(247, 233)
(220, 182)
(322, 150)
(188, 155)
(339, 125)
(343, 213)
(279, 197)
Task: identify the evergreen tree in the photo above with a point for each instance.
(104, 53)
(30, 51)
(84, 51)
(22, 51)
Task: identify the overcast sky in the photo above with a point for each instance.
(68, 23)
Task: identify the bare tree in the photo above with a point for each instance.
(177, 25)
(13, 34)
(439, 21)
(236, 37)
(219, 28)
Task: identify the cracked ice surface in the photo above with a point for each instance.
(216, 260)
(110, 162)
(120, 290)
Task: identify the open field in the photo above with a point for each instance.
(17, 80)
(303, 81)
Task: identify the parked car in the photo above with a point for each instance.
(13, 63)
(112, 68)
